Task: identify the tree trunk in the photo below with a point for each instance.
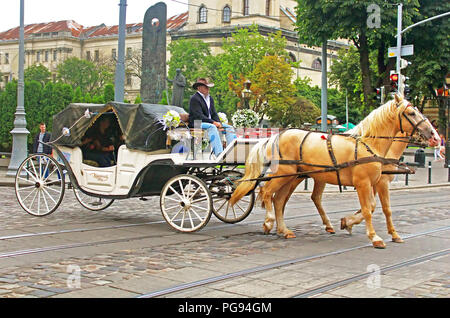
(365, 72)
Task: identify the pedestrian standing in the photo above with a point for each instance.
(38, 147)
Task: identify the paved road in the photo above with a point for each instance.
(128, 250)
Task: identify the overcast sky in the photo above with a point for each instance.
(84, 12)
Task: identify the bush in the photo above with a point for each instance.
(245, 118)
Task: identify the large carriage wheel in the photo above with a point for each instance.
(92, 203)
(186, 203)
(40, 185)
(221, 192)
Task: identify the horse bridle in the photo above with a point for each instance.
(415, 126)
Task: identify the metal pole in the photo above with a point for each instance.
(399, 46)
(429, 172)
(20, 132)
(324, 96)
(346, 108)
(119, 84)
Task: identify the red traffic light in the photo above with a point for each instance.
(394, 77)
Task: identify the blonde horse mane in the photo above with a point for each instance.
(375, 123)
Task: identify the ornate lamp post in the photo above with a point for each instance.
(247, 93)
(20, 132)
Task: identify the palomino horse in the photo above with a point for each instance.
(382, 189)
(309, 153)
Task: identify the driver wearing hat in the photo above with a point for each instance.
(202, 110)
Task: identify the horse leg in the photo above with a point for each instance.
(267, 196)
(279, 201)
(383, 193)
(316, 196)
(347, 222)
(366, 199)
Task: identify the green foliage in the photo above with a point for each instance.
(138, 99)
(190, 56)
(108, 93)
(8, 102)
(37, 73)
(88, 76)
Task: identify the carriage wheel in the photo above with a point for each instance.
(186, 203)
(92, 203)
(221, 192)
(40, 185)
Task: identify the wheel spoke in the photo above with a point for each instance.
(26, 188)
(25, 180)
(23, 200)
(224, 201)
(170, 187)
(45, 191)
(182, 188)
(31, 174)
(181, 209)
(190, 218)
(199, 207)
(196, 214)
(45, 201)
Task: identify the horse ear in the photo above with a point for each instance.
(398, 98)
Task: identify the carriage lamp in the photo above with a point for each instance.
(65, 131)
(247, 93)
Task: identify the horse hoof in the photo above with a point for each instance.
(343, 224)
(379, 244)
(330, 230)
(289, 235)
(397, 240)
(266, 229)
(345, 227)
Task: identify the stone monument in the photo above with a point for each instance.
(153, 81)
(179, 83)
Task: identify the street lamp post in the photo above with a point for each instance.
(247, 93)
(20, 132)
(119, 85)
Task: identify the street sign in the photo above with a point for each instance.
(406, 50)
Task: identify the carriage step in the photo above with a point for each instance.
(143, 199)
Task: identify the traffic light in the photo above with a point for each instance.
(378, 93)
(394, 81)
(406, 89)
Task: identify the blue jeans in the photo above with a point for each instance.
(214, 137)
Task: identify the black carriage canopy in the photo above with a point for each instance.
(142, 125)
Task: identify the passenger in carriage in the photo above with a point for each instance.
(201, 108)
(98, 145)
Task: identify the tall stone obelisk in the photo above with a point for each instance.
(153, 80)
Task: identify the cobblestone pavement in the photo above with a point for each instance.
(138, 266)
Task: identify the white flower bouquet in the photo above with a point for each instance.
(171, 119)
(223, 118)
(245, 118)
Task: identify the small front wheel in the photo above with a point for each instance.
(40, 185)
(186, 203)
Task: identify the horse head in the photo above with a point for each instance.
(411, 120)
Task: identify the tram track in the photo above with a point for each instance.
(280, 264)
(124, 226)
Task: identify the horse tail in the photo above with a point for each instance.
(253, 168)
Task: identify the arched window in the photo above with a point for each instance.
(202, 14)
(268, 7)
(226, 16)
(317, 64)
(292, 57)
(245, 10)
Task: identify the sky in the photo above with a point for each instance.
(84, 12)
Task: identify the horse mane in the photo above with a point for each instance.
(375, 124)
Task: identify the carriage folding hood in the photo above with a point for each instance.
(142, 124)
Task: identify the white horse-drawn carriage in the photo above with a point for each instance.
(191, 187)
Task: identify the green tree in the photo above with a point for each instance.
(37, 72)
(190, 56)
(108, 93)
(78, 96)
(88, 76)
(322, 20)
(8, 102)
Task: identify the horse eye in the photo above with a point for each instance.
(412, 114)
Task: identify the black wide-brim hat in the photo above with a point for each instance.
(204, 83)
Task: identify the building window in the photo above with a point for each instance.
(226, 15)
(128, 79)
(292, 57)
(0, 58)
(267, 7)
(113, 54)
(129, 52)
(38, 56)
(202, 14)
(46, 56)
(6, 58)
(96, 55)
(245, 10)
(88, 55)
(317, 64)
(6, 77)
(55, 55)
